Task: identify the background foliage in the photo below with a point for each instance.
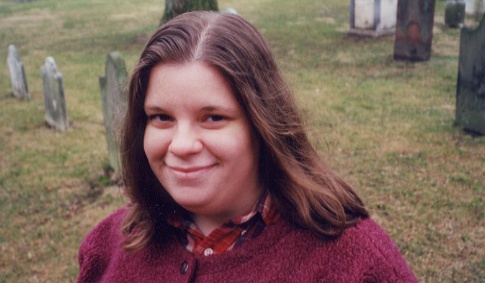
(386, 126)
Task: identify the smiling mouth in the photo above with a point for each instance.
(190, 172)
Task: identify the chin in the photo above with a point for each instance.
(193, 206)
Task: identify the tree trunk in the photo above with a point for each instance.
(174, 8)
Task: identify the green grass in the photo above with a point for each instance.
(386, 126)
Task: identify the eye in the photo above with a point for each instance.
(160, 118)
(215, 118)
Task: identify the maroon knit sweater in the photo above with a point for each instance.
(282, 253)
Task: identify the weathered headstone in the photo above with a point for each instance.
(17, 74)
(475, 7)
(470, 92)
(114, 98)
(54, 100)
(230, 11)
(372, 17)
(454, 13)
(414, 30)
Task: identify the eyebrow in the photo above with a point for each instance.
(211, 108)
(208, 108)
(150, 108)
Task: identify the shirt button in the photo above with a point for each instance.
(208, 251)
(184, 267)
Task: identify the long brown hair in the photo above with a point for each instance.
(304, 189)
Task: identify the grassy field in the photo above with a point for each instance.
(386, 126)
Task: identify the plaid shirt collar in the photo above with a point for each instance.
(230, 234)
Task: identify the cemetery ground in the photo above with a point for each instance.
(387, 126)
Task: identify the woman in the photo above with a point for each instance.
(223, 182)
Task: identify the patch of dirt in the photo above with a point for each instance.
(31, 19)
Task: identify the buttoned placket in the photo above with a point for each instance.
(188, 269)
(184, 267)
(208, 252)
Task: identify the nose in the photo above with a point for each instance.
(185, 141)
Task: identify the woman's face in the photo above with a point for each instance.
(198, 141)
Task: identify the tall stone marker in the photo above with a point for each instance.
(17, 74)
(475, 7)
(454, 13)
(114, 96)
(470, 92)
(372, 17)
(230, 11)
(54, 100)
(414, 30)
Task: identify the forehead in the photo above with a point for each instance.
(188, 83)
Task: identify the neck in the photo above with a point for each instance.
(207, 224)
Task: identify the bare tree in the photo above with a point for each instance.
(174, 8)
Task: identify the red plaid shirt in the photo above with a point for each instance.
(230, 234)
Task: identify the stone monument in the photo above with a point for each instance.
(114, 97)
(414, 30)
(17, 74)
(475, 7)
(470, 92)
(54, 101)
(372, 17)
(454, 13)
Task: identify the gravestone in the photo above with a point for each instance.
(230, 11)
(17, 74)
(54, 100)
(372, 17)
(454, 13)
(114, 98)
(414, 30)
(475, 7)
(470, 92)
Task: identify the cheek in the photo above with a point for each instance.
(153, 145)
(146, 145)
(251, 142)
(241, 144)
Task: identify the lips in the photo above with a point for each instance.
(190, 173)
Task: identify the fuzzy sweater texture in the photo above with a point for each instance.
(282, 253)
